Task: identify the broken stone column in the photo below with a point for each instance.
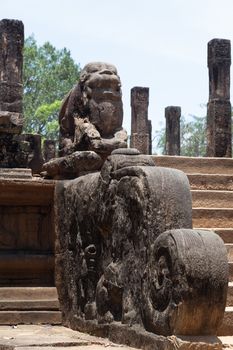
(11, 65)
(172, 145)
(219, 106)
(13, 151)
(49, 150)
(140, 125)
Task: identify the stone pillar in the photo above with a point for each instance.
(172, 143)
(49, 149)
(13, 152)
(11, 65)
(140, 125)
(219, 106)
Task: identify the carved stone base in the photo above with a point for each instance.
(137, 337)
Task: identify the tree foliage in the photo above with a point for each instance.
(48, 75)
(192, 137)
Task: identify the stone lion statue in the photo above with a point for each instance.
(91, 114)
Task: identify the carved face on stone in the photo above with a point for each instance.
(102, 97)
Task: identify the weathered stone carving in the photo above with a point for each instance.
(49, 149)
(125, 251)
(34, 154)
(92, 113)
(90, 120)
(219, 106)
(11, 65)
(73, 165)
(16, 150)
(172, 145)
(140, 125)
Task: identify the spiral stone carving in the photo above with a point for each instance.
(189, 278)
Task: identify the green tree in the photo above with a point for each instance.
(48, 75)
(192, 137)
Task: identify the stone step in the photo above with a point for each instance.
(229, 247)
(230, 294)
(15, 173)
(29, 317)
(212, 199)
(28, 293)
(215, 182)
(196, 165)
(212, 217)
(34, 192)
(26, 269)
(230, 264)
(226, 328)
(29, 304)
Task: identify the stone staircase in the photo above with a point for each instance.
(29, 305)
(211, 181)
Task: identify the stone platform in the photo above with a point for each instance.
(47, 337)
(28, 337)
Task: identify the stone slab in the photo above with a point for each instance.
(58, 337)
(213, 217)
(16, 317)
(230, 294)
(31, 191)
(15, 173)
(212, 199)
(29, 305)
(215, 182)
(28, 293)
(39, 337)
(196, 165)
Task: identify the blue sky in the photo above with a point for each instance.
(158, 44)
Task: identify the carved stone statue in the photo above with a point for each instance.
(90, 123)
(92, 113)
(125, 236)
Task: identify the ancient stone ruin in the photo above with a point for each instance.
(49, 150)
(219, 106)
(16, 150)
(172, 143)
(126, 255)
(90, 123)
(128, 264)
(26, 228)
(140, 125)
(92, 113)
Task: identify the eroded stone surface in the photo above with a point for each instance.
(11, 65)
(49, 150)
(219, 106)
(11, 122)
(92, 113)
(72, 165)
(172, 115)
(122, 265)
(140, 125)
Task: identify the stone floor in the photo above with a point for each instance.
(46, 337)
